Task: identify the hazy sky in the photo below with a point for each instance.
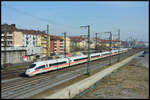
(130, 17)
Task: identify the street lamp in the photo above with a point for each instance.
(88, 26)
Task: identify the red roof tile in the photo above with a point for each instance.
(76, 38)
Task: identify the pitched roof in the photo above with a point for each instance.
(33, 32)
(54, 37)
(76, 38)
(12, 27)
(8, 27)
(102, 40)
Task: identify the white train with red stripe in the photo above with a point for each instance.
(49, 65)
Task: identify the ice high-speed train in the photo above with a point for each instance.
(45, 66)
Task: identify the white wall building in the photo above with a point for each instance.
(27, 39)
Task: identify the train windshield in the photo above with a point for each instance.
(33, 65)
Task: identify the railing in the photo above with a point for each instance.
(9, 39)
(9, 35)
(2, 39)
(62, 42)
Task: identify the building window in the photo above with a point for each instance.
(27, 38)
(34, 38)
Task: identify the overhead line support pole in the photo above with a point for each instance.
(88, 62)
(119, 45)
(48, 41)
(96, 42)
(65, 44)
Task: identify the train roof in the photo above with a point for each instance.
(95, 54)
(77, 57)
(53, 60)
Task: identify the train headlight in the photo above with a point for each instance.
(28, 71)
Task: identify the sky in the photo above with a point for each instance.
(64, 16)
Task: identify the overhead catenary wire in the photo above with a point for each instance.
(38, 18)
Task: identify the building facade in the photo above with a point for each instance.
(57, 44)
(7, 35)
(77, 43)
(28, 39)
(106, 43)
(67, 44)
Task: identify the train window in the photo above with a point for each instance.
(54, 64)
(61, 62)
(95, 56)
(80, 59)
(57, 63)
(32, 65)
(106, 53)
(43, 66)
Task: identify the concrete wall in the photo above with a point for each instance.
(14, 56)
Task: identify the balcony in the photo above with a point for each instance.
(9, 39)
(2, 39)
(62, 45)
(62, 49)
(2, 44)
(9, 45)
(61, 42)
(44, 46)
(9, 35)
(43, 41)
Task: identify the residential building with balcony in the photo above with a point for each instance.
(45, 44)
(77, 42)
(67, 44)
(22, 38)
(28, 39)
(106, 43)
(7, 35)
(56, 44)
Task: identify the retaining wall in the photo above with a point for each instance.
(76, 88)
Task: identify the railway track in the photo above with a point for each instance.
(24, 87)
(12, 73)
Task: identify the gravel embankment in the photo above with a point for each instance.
(130, 81)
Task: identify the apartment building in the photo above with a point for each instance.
(45, 44)
(67, 44)
(77, 42)
(115, 43)
(7, 35)
(56, 44)
(28, 39)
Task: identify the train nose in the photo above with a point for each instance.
(27, 72)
